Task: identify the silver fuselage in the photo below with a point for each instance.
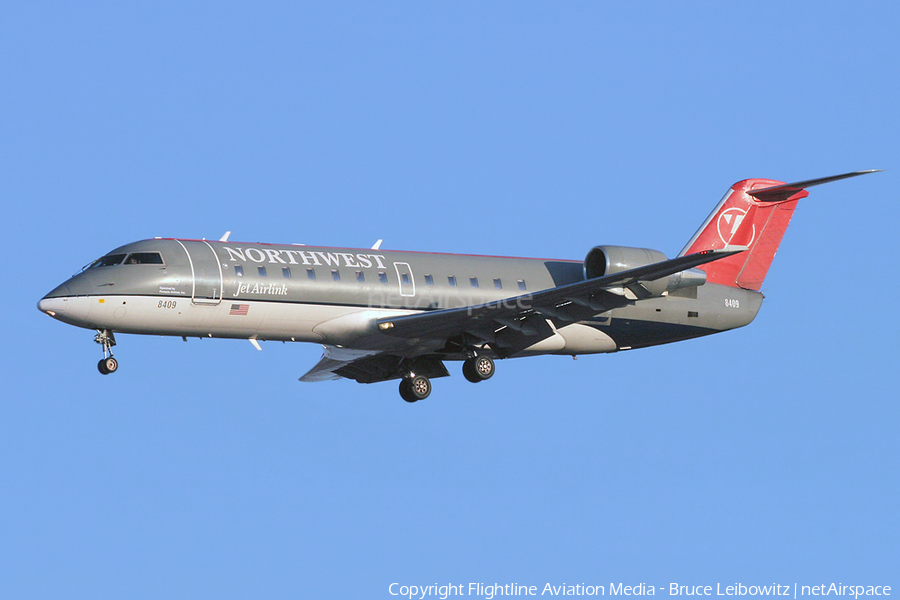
(332, 296)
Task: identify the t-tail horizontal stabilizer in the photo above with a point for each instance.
(778, 193)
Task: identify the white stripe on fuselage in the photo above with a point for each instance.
(277, 321)
(178, 316)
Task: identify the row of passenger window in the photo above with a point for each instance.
(382, 277)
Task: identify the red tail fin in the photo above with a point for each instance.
(754, 213)
(741, 219)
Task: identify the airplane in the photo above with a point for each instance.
(385, 315)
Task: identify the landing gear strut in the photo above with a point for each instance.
(107, 364)
(415, 388)
(478, 368)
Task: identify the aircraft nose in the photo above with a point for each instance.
(55, 302)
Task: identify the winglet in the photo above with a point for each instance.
(778, 193)
(377, 245)
(224, 238)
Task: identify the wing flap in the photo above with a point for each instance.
(333, 359)
(366, 366)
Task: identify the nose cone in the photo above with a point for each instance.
(56, 302)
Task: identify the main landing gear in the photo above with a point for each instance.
(107, 364)
(418, 387)
(478, 368)
(415, 388)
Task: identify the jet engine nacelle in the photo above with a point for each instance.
(607, 260)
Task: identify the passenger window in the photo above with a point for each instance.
(473, 281)
(311, 273)
(144, 258)
(286, 271)
(382, 277)
(335, 274)
(498, 284)
(360, 277)
(108, 261)
(405, 278)
(452, 281)
(262, 271)
(521, 283)
(239, 270)
(429, 280)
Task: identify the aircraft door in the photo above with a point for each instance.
(206, 271)
(405, 277)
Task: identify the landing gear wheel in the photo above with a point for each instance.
(108, 365)
(478, 369)
(484, 366)
(406, 391)
(469, 371)
(420, 387)
(415, 388)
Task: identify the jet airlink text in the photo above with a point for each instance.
(489, 591)
(273, 289)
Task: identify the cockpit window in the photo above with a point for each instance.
(144, 258)
(110, 260)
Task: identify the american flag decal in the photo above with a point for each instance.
(239, 309)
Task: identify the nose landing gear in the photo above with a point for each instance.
(107, 364)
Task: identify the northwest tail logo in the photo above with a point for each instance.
(729, 222)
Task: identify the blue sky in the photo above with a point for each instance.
(766, 454)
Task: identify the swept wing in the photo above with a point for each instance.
(508, 325)
(526, 313)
